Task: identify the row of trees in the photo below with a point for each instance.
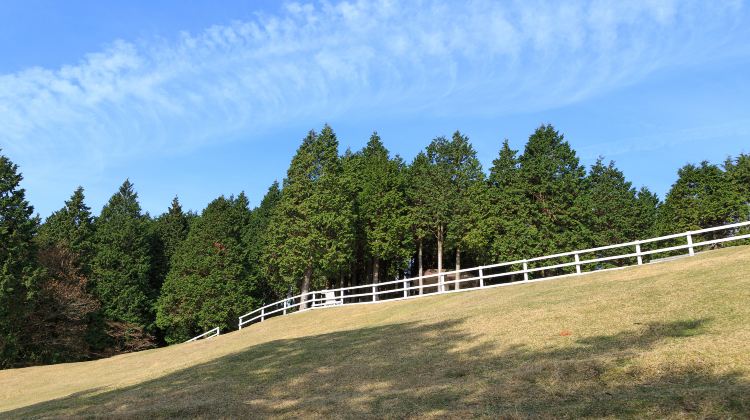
(78, 286)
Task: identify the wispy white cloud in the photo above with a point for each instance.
(332, 59)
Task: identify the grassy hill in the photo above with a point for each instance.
(663, 340)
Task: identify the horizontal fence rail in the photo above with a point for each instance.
(503, 274)
(208, 334)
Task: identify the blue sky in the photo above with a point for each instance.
(188, 98)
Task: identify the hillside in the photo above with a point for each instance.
(662, 340)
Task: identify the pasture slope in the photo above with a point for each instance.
(663, 340)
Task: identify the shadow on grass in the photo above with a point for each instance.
(408, 370)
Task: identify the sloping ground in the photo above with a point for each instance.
(663, 340)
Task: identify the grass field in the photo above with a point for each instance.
(664, 340)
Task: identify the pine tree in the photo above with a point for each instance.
(738, 172)
(62, 324)
(312, 231)
(419, 198)
(381, 201)
(703, 196)
(168, 232)
(19, 272)
(255, 240)
(72, 228)
(439, 194)
(647, 205)
(208, 284)
(122, 262)
(507, 223)
(553, 180)
(466, 193)
(610, 206)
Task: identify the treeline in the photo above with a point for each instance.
(80, 286)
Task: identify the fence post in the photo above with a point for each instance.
(262, 314)
(441, 286)
(578, 266)
(525, 271)
(638, 252)
(406, 292)
(481, 278)
(691, 251)
(420, 282)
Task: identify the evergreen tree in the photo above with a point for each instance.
(169, 230)
(62, 325)
(647, 204)
(72, 228)
(19, 272)
(358, 273)
(466, 193)
(381, 202)
(510, 235)
(255, 241)
(208, 284)
(553, 180)
(738, 172)
(611, 206)
(312, 229)
(702, 197)
(439, 194)
(419, 198)
(121, 265)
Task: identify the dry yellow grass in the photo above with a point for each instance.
(664, 340)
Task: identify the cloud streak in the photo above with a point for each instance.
(351, 58)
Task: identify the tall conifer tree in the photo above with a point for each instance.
(702, 197)
(312, 231)
(169, 230)
(507, 224)
(122, 263)
(19, 272)
(610, 205)
(553, 180)
(208, 284)
(255, 240)
(64, 324)
(466, 180)
(381, 201)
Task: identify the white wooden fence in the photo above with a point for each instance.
(503, 274)
(207, 334)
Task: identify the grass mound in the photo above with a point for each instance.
(663, 340)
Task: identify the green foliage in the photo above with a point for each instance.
(381, 205)
(209, 284)
(19, 271)
(703, 196)
(255, 240)
(419, 195)
(312, 229)
(62, 325)
(511, 236)
(122, 263)
(168, 232)
(738, 172)
(457, 160)
(611, 206)
(553, 180)
(71, 227)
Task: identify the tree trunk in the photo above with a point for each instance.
(458, 267)
(307, 279)
(375, 270)
(421, 270)
(440, 258)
